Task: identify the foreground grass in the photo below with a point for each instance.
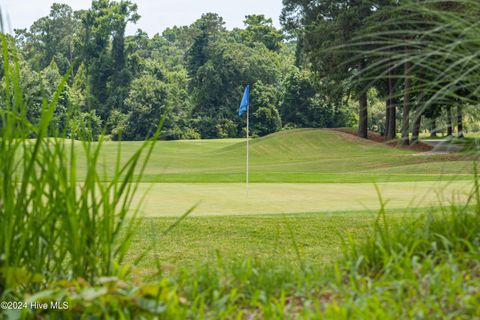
(292, 239)
(422, 266)
(266, 238)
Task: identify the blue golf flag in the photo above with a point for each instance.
(245, 101)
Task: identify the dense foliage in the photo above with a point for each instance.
(194, 75)
(332, 65)
(392, 51)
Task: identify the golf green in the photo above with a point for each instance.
(173, 199)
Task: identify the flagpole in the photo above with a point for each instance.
(248, 129)
(245, 106)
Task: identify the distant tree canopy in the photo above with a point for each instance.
(194, 75)
(312, 73)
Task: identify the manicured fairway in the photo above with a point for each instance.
(173, 199)
(296, 156)
(308, 170)
(310, 187)
(322, 180)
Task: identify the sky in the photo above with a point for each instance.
(156, 15)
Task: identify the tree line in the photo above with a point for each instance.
(396, 49)
(194, 75)
(334, 63)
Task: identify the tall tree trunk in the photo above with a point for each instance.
(387, 118)
(363, 116)
(391, 121)
(433, 128)
(449, 121)
(406, 102)
(419, 109)
(387, 107)
(363, 110)
(417, 122)
(460, 121)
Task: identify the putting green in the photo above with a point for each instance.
(173, 199)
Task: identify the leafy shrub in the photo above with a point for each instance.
(146, 104)
(116, 123)
(178, 133)
(191, 134)
(90, 126)
(266, 120)
(205, 126)
(226, 129)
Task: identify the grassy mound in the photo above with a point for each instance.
(304, 155)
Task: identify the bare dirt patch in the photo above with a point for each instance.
(375, 137)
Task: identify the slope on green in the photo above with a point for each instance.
(304, 155)
(221, 199)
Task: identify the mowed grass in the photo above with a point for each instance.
(306, 170)
(309, 188)
(225, 199)
(206, 240)
(266, 238)
(296, 156)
